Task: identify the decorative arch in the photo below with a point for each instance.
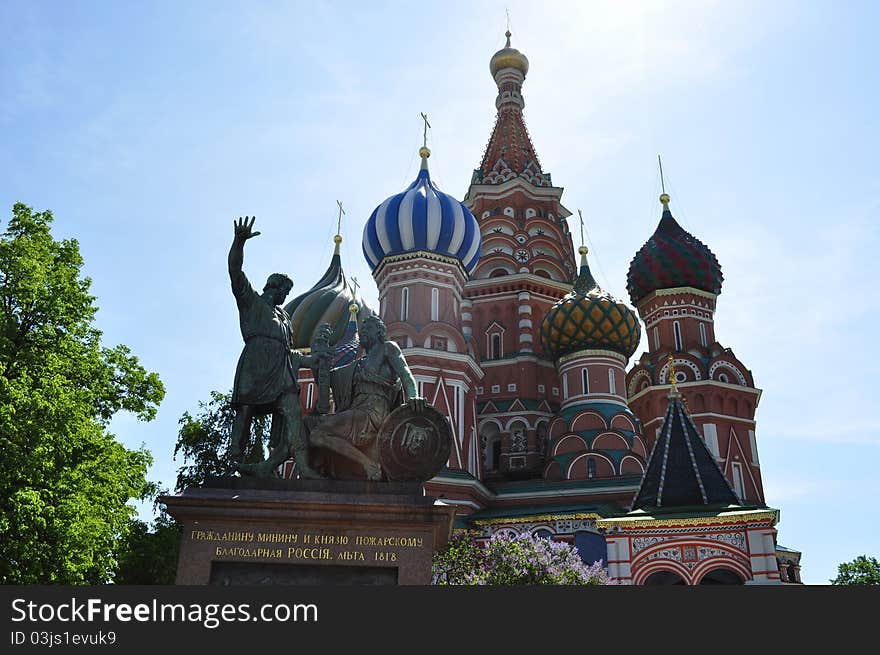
(733, 369)
(721, 562)
(516, 419)
(656, 566)
(610, 441)
(630, 464)
(639, 375)
(693, 370)
(558, 427)
(639, 447)
(623, 422)
(588, 420)
(578, 470)
(572, 443)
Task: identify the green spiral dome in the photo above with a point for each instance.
(589, 318)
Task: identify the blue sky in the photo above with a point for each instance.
(148, 127)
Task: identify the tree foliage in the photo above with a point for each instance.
(203, 441)
(863, 570)
(523, 559)
(65, 480)
(148, 554)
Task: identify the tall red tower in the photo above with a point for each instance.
(526, 266)
(674, 281)
(422, 244)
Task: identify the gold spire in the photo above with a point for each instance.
(673, 391)
(664, 199)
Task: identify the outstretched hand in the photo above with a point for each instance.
(417, 404)
(243, 229)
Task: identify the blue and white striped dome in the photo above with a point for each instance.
(422, 218)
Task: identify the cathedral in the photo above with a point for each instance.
(652, 469)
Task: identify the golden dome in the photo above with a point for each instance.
(508, 57)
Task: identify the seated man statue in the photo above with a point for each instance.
(365, 392)
(266, 376)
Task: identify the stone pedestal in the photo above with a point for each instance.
(247, 531)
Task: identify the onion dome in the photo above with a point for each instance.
(508, 57)
(589, 318)
(422, 218)
(672, 257)
(347, 347)
(326, 302)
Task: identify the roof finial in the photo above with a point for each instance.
(507, 33)
(424, 152)
(355, 284)
(583, 250)
(338, 238)
(664, 197)
(673, 391)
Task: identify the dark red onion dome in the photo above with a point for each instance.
(672, 257)
(589, 318)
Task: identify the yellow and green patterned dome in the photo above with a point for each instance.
(589, 318)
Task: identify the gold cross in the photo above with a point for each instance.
(581, 215)
(427, 125)
(672, 372)
(339, 220)
(355, 284)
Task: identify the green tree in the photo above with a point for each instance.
(203, 441)
(523, 559)
(863, 570)
(65, 481)
(148, 554)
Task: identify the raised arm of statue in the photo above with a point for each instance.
(243, 232)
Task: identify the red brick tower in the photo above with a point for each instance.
(526, 266)
(674, 281)
(422, 244)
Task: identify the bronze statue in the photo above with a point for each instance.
(365, 392)
(266, 376)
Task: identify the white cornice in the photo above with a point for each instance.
(480, 283)
(443, 354)
(519, 359)
(699, 383)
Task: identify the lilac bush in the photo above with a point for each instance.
(522, 559)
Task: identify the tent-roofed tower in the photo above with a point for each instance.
(687, 526)
(674, 280)
(527, 264)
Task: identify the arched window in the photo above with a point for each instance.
(703, 339)
(676, 328)
(496, 347)
(612, 387)
(591, 468)
(656, 339)
(435, 304)
(585, 380)
(404, 303)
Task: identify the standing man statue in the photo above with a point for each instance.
(266, 376)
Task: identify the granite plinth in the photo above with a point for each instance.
(251, 531)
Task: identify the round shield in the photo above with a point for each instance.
(414, 445)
